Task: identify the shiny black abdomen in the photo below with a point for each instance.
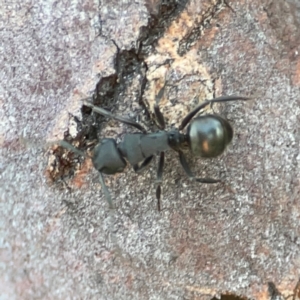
(209, 135)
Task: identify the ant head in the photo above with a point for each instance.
(209, 135)
(107, 157)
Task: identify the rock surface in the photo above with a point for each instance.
(240, 237)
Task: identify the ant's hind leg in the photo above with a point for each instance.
(106, 192)
(191, 114)
(159, 178)
(190, 174)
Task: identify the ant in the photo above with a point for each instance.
(206, 136)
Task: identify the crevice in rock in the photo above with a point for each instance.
(128, 64)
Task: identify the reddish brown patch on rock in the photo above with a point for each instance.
(80, 177)
(296, 74)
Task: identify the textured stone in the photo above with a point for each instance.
(60, 242)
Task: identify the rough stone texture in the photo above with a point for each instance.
(230, 238)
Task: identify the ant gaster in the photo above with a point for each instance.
(206, 136)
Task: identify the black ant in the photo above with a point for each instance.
(206, 136)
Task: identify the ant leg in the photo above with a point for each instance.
(68, 146)
(273, 291)
(191, 114)
(159, 117)
(108, 114)
(144, 164)
(296, 290)
(106, 192)
(159, 178)
(158, 114)
(188, 171)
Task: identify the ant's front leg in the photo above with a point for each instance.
(108, 114)
(106, 192)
